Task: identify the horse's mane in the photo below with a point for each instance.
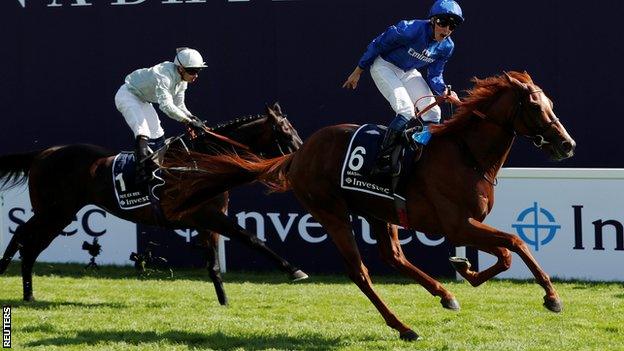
(482, 92)
(227, 126)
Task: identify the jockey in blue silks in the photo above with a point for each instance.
(395, 58)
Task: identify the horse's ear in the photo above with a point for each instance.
(516, 83)
(277, 108)
(271, 112)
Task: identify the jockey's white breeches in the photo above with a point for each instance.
(402, 89)
(140, 115)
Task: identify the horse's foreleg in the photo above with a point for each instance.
(210, 240)
(475, 278)
(475, 233)
(392, 253)
(219, 222)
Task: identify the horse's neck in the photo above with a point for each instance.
(489, 142)
(245, 133)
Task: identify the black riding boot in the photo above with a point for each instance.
(387, 161)
(142, 151)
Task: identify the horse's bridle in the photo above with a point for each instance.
(508, 125)
(277, 139)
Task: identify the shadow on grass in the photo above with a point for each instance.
(217, 341)
(198, 274)
(47, 305)
(265, 277)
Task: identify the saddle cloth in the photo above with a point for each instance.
(360, 159)
(129, 194)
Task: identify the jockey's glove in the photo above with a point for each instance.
(196, 122)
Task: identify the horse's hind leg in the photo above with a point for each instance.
(210, 241)
(36, 235)
(475, 278)
(392, 253)
(335, 220)
(9, 252)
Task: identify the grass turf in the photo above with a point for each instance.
(111, 309)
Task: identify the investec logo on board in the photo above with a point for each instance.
(538, 227)
(81, 3)
(291, 226)
(305, 227)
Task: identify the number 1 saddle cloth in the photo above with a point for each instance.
(129, 194)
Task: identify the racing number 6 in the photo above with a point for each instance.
(356, 160)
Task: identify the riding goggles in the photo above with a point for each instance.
(192, 71)
(444, 21)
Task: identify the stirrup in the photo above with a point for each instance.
(388, 163)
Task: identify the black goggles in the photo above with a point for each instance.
(446, 22)
(192, 71)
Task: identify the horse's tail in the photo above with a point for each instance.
(14, 169)
(204, 176)
(274, 173)
(231, 169)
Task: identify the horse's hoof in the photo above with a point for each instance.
(409, 335)
(298, 275)
(451, 304)
(554, 305)
(223, 301)
(460, 263)
(29, 298)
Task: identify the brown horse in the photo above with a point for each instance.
(63, 179)
(450, 190)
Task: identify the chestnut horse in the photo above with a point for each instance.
(63, 179)
(450, 190)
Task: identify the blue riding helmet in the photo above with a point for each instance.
(447, 7)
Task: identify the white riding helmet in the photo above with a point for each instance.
(188, 58)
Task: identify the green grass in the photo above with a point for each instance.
(113, 310)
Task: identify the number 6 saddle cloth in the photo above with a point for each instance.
(360, 159)
(129, 194)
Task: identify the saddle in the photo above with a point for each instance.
(361, 158)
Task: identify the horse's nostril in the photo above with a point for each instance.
(567, 146)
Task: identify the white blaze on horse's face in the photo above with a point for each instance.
(547, 131)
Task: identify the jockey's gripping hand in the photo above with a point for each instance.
(196, 122)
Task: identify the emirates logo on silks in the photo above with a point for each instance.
(424, 56)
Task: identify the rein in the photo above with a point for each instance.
(218, 137)
(438, 100)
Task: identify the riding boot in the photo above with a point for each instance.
(387, 160)
(142, 152)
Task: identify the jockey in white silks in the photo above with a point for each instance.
(164, 84)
